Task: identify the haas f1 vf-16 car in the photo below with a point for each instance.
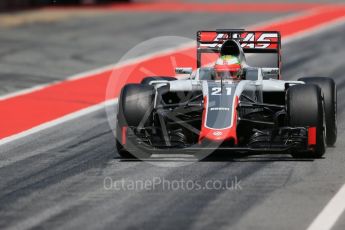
(228, 105)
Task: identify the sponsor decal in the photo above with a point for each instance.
(219, 109)
(217, 133)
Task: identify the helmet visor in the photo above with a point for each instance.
(227, 71)
(227, 74)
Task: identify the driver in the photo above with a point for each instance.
(228, 67)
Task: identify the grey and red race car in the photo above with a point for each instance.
(254, 112)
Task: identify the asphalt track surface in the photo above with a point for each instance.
(54, 179)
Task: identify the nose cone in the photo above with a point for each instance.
(219, 119)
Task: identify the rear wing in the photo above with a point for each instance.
(251, 42)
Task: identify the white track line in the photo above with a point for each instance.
(103, 104)
(331, 213)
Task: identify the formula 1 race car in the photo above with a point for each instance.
(249, 109)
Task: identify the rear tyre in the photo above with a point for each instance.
(147, 80)
(135, 110)
(329, 90)
(305, 108)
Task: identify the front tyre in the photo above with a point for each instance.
(134, 111)
(305, 108)
(329, 90)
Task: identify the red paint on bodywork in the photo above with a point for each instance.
(124, 135)
(311, 136)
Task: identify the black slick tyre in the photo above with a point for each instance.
(329, 90)
(305, 108)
